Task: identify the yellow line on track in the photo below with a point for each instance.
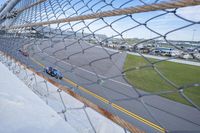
(131, 114)
(138, 117)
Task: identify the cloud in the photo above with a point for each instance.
(191, 13)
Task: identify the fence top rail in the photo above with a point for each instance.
(131, 10)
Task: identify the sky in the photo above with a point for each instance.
(2, 1)
(161, 25)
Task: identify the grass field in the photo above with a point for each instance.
(148, 80)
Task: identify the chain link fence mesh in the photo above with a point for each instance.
(142, 66)
(77, 114)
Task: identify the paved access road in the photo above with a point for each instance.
(87, 67)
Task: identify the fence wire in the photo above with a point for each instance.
(130, 64)
(76, 115)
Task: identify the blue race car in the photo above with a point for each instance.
(53, 72)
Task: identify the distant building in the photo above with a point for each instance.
(122, 47)
(197, 55)
(166, 51)
(144, 50)
(186, 56)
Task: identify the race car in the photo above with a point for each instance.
(24, 53)
(53, 72)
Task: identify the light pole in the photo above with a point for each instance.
(193, 34)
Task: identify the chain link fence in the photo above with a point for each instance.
(77, 114)
(137, 59)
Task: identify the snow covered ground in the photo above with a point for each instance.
(23, 111)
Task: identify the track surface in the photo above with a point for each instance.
(170, 115)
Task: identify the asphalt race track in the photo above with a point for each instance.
(99, 71)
